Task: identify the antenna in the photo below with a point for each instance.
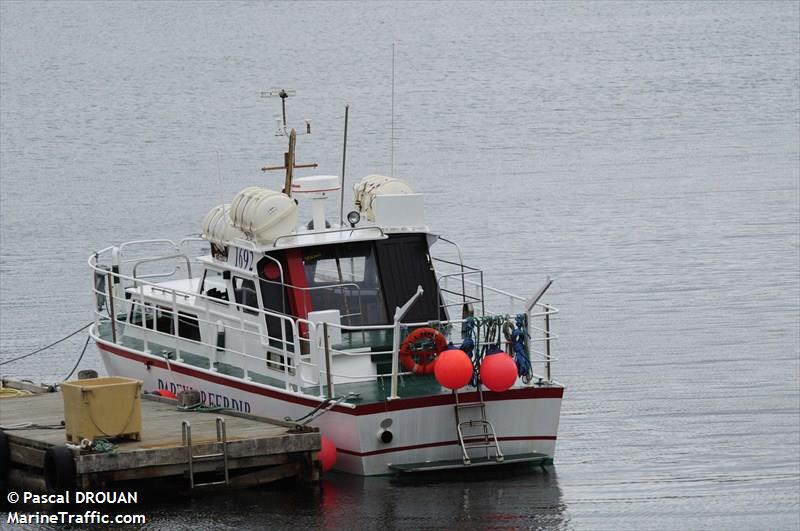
(283, 94)
(391, 172)
(344, 156)
(219, 179)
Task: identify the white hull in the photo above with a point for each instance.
(423, 428)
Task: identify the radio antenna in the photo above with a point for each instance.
(344, 157)
(391, 172)
(219, 180)
(283, 94)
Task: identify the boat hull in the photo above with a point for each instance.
(423, 429)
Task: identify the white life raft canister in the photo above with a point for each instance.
(217, 227)
(365, 191)
(263, 214)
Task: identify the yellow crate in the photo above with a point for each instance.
(102, 408)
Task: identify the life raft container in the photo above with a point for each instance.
(262, 214)
(424, 344)
(217, 226)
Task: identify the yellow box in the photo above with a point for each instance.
(102, 408)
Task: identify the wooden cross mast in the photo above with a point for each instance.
(289, 165)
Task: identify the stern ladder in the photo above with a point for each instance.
(483, 436)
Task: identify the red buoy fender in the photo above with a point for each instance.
(426, 355)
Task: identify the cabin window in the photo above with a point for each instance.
(135, 317)
(345, 277)
(188, 326)
(244, 290)
(213, 285)
(164, 320)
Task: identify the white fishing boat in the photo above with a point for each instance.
(369, 326)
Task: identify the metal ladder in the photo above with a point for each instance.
(186, 432)
(485, 439)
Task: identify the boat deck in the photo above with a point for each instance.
(367, 392)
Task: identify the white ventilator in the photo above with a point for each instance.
(263, 215)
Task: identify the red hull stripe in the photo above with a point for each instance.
(441, 443)
(399, 404)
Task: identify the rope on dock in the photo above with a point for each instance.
(199, 407)
(31, 426)
(87, 325)
(104, 446)
(7, 392)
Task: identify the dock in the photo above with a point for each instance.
(190, 448)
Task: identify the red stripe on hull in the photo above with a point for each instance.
(442, 443)
(399, 404)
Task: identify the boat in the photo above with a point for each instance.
(369, 326)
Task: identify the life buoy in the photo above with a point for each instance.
(424, 344)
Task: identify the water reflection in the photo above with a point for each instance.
(502, 499)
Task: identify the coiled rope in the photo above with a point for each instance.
(495, 327)
(519, 342)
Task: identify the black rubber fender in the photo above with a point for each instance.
(5, 461)
(59, 469)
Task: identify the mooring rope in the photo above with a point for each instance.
(48, 346)
(79, 358)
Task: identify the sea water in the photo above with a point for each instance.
(644, 155)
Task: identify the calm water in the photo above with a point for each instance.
(645, 155)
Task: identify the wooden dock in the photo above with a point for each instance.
(255, 451)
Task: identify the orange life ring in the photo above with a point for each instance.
(424, 344)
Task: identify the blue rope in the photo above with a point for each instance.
(468, 346)
(519, 343)
(493, 330)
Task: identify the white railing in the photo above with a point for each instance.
(300, 356)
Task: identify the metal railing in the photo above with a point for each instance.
(299, 356)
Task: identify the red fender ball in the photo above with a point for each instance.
(453, 369)
(498, 372)
(327, 454)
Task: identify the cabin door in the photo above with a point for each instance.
(405, 263)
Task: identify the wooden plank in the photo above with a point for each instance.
(263, 420)
(29, 439)
(281, 449)
(26, 386)
(151, 472)
(267, 475)
(25, 455)
(288, 443)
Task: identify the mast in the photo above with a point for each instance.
(288, 156)
(289, 165)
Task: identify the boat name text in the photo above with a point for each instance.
(208, 398)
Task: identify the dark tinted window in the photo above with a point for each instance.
(345, 277)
